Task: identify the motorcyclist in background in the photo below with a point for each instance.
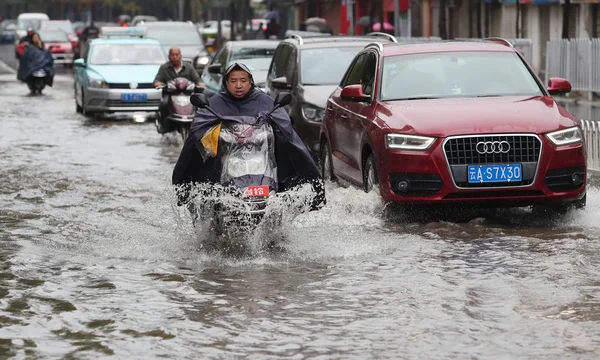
(36, 57)
(241, 97)
(27, 38)
(168, 71)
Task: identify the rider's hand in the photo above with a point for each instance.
(157, 84)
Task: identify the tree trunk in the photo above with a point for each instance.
(371, 15)
(566, 18)
(381, 16)
(479, 20)
(442, 22)
(470, 18)
(518, 22)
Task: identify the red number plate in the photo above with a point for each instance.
(262, 190)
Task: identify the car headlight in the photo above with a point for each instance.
(202, 61)
(181, 100)
(97, 83)
(566, 136)
(408, 142)
(312, 112)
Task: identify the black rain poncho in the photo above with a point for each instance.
(34, 59)
(294, 163)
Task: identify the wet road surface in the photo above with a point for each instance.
(97, 261)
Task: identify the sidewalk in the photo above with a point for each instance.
(578, 97)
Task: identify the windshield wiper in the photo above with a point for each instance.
(421, 98)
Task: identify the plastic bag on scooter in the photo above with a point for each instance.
(248, 153)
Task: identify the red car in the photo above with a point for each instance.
(453, 123)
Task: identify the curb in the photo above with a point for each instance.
(6, 69)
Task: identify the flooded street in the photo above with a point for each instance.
(97, 261)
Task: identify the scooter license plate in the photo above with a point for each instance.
(140, 97)
(257, 191)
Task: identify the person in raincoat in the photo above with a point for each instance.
(241, 98)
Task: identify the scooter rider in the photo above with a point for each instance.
(241, 97)
(27, 38)
(171, 70)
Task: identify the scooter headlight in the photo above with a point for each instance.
(202, 61)
(181, 100)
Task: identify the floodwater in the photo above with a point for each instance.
(97, 261)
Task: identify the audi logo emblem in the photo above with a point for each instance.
(492, 147)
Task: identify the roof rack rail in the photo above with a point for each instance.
(379, 46)
(499, 40)
(298, 37)
(377, 33)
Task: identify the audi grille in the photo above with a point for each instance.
(462, 151)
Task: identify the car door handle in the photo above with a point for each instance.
(344, 116)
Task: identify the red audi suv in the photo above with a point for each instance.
(452, 123)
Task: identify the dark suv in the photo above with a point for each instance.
(311, 69)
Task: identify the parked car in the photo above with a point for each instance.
(453, 123)
(8, 30)
(59, 45)
(311, 68)
(183, 35)
(255, 54)
(67, 27)
(118, 72)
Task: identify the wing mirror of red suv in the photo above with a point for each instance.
(557, 86)
(354, 93)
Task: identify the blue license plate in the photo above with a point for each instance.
(141, 97)
(495, 173)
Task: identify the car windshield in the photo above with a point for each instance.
(169, 36)
(456, 74)
(53, 36)
(326, 66)
(66, 27)
(127, 54)
(25, 24)
(253, 58)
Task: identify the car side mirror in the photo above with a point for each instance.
(354, 93)
(199, 100)
(558, 86)
(283, 99)
(214, 68)
(281, 83)
(79, 63)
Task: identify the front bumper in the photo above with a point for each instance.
(109, 100)
(431, 181)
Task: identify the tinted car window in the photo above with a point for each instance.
(355, 72)
(280, 61)
(456, 74)
(369, 72)
(325, 66)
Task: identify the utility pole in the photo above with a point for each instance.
(396, 18)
